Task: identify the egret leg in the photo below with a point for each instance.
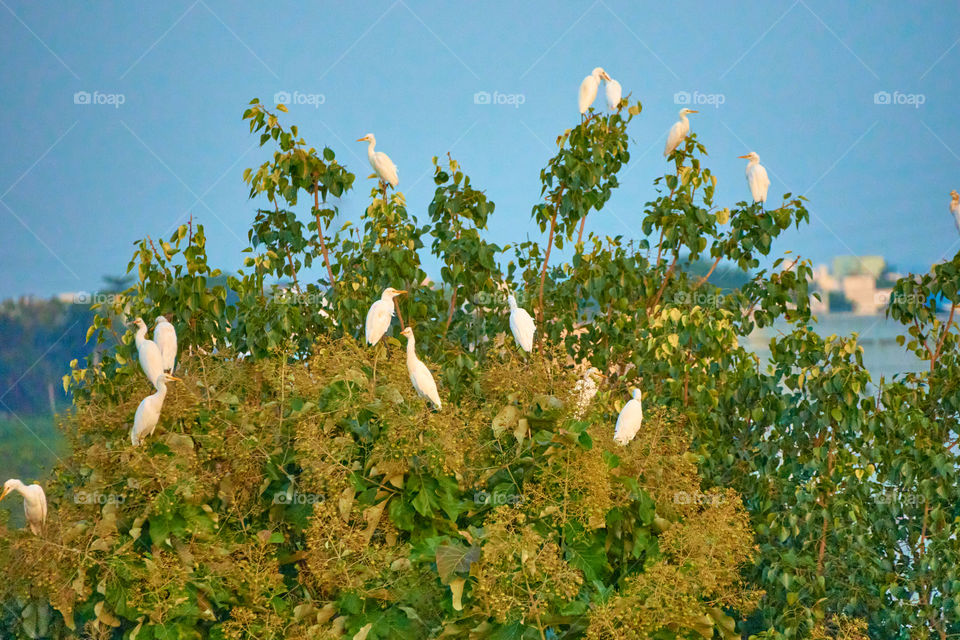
(377, 349)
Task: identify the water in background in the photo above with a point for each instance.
(882, 356)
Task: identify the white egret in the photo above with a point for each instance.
(148, 412)
(420, 375)
(380, 314)
(381, 163)
(756, 177)
(629, 420)
(166, 338)
(955, 207)
(614, 94)
(521, 324)
(151, 360)
(34, 502)
(589, 86)
(678, 131)
(585, 389)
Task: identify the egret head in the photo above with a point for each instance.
(390, 293)
(752, 157)
(955, 196)
(10, 485)
(593, 372)
(164, 378)
(635, 393)
(367, 138)
(407, 333)
(511, 301)
(161, 318)
(140, 324)
(685, 111)
(599, 73)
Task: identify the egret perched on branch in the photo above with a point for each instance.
(955, 207)
(166, 338)
(151, 360)
(34, 502)
(420, 375)
(614, 94)
(585, 389)
(380, 314)
(678, 131)
(148, 412)
(756, 177)
(521, 324)
(381, 163)
(589, 86)
(630, 420)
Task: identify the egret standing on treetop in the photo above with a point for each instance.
(589, 86)
(521, 324)
(678, 131)
(166, 338)
(420, 375)
(148, 411)
(380, 314)
(614, 94)
(955, 207)
(630, 420)
(381, 163)
(151, 360)
(756, 178)
(34, 502)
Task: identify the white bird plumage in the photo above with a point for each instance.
(382, 164)
(955, 207)
(420, 375)
(521, 324)
(165, 336)
(151, 359)
(630, 420)
(589, 86)
(34, 502)
(756, 177)
(614, 94)
(380, 315)
(678, 131)
(148, 411)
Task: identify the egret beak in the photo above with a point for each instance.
(402, 291)
(4, 494)
(693, 111)
(361, 139)
(743, 156)
(170, 377)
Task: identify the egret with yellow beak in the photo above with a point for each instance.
(382, 164)
(756, 178)
(34, 502)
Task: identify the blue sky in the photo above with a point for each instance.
(79, 183)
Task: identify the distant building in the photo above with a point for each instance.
(857, 284)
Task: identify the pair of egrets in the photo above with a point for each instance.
(757, 178)
(158, 358)
(590, 86)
